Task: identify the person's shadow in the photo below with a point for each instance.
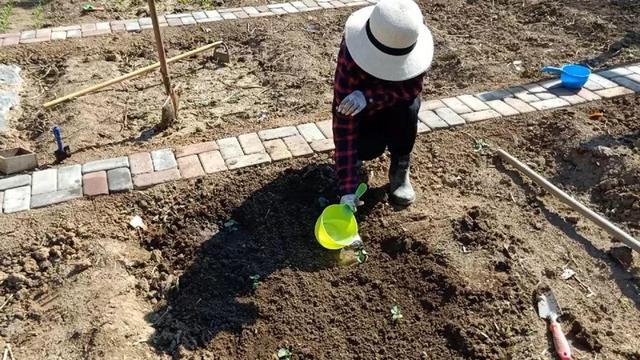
(271, 230)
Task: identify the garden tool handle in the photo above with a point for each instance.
(362, 188)
(552, 69)
(560, 341)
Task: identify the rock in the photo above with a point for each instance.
(41, 254)
(623, 254)
(603, 151)
(16, 281)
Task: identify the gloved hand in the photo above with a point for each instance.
(353, 104)
(352, 201)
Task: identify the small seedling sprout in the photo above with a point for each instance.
(255, 281)
(480, 146)
(284, 354)
(362, 256)
(396, 314)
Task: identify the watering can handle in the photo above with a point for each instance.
(552, 69)
(362, 188)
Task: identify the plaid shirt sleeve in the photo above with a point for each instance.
(380, 94)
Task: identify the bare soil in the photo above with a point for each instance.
(463, 264)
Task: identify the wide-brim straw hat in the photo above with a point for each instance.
(390, 40)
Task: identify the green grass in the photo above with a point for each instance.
(5, 12)
(38, 13)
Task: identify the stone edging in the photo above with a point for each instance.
(146, 169)
(183, 19)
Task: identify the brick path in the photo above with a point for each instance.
(172, 20)
(143, 170)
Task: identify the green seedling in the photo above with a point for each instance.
(284, 354)
(362, 256)
(481, 146)
(5, 13)
(38, 13)
(232, 225)
(255, 281)
(396, 314)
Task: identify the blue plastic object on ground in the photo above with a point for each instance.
(571, 76)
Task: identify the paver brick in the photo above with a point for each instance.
(456, 105)
(326, 127)
(58, 35)
(17, 199)
(27, 35)
(592, 85)
(628, 83)
(119, 180)
(251, 11)
(481, 115)
(519, 105)
(588, 95)
(44, 181)
(15, 181)
(310, 132)
(140, 163)
(163, 159)
(473, 102)
(14, 40)
(605, 83)
(248, 160)
(230, 148)
(190, 167)
(212, 162)
(70, 177)
(422, 127)
(549, 104)
(539, 91)
(213, 14)
(431, 105)
(74, 34)
(635, 69)
(289, 8)
(614, 92)
(614, 73)
(502, 108)
(450, 117)
(310, 3)
(228, 16)
(493, 95)
(241, 14)
(552, 83)
(88, 27)
(277, 149)
(251, 143)
(297, 145)
(132, 26)
(323, 145)
(569, 96)
(326, 5)
(43, 33)
(337, 4)
(195, 149)
(188, 20)
(299, 5)
(432, 120)
(522, 94)
(278, 11)
(95, 183)
(144, 181)
(174, 22)
(56, 197)
(107, 164)
(278, 133)
(104, 26)
(199, 15)
(1, 200)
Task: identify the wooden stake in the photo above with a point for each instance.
(130, 75)
(161, 56)
(574, 204)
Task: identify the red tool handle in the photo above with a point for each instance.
(562, 345)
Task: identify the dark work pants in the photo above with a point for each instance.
(395, 127)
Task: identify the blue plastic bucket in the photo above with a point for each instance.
(571, 76)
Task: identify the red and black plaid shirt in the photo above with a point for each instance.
(379, 93)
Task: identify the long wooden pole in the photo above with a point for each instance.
(161, 55)
(130, 75)
(574, 204)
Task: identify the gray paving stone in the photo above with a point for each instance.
(278, 133)
(326, 127)
(289, 8)
(569, 96)
(199, 15)
(56, 197)
(108, 164)
(44, 181)
(456, 105)
(297, 145)
(614, 73)
(163, 159)
(229, 16)
(539, 91)
(473, 102)
(58, 35)
(593, 86)
(1, 200)
(119, 180)
(132, 26)
(431, 105)
(481, 115)
(247, 160)
(502, 108)
(323, 145)
(432, 120)
(251, 10)
(70, 177)
(493, 95)
(17, 199)
(549, 104)
(628, 83)
(450, 117)
(310, 132)
(548, 84)
(605, 83)
(214, 15)
(635, 69)
(251, 144)
(519, 105)
(230, 148)
(614, 92)
(15, 181)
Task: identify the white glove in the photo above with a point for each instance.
(353, 104)
(351, 201)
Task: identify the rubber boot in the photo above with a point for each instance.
(401, 191)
